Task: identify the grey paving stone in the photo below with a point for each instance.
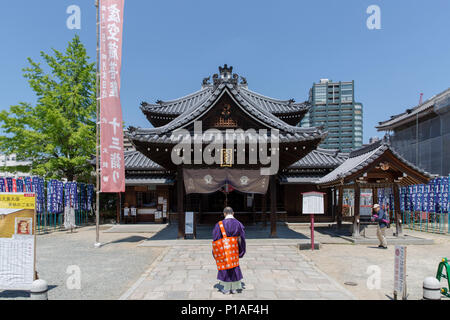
(155, 295)
(177, 295)
(326, 287)
(202, 295)
(270, 272)
(266, 294)
(307, 295)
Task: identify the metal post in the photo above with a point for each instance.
(97, 133)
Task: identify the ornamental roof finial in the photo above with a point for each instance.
(225, 72)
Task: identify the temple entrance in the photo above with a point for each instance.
(212, 206)
(219, 200)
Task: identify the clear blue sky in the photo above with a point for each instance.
(282, 47)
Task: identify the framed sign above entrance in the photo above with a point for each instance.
(226, 159)
(225, 120)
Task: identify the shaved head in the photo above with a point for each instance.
(227, 211)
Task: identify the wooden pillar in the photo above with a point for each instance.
(273, 207)
(339, 206)
(253, 208)
(398, 214)
(263, 209)
(200, 208)
(333, 203)
(356, 211)
(374, 195)
(180, 202)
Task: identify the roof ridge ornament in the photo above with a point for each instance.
(225, 72)
(205, 82)
(225, 75)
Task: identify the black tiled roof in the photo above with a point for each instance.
(190, 102)
(320, 158)
(288, 133)
(363, 157)
(134, 160)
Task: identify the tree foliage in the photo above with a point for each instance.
(58, 133)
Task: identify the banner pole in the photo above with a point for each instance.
(97, 131)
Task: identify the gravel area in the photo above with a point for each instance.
(105, 272)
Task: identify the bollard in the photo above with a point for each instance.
(431, 289)
(39, 290)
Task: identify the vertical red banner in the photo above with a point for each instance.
(111, 126)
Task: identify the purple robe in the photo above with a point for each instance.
(233, 228)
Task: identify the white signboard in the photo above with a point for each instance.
(165, 208)
(189, 223)
(17, 240)
(400, 269)
(313, 203)
(17, 263)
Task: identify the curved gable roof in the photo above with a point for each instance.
(162, 112)
(287, 132)
(363, 158)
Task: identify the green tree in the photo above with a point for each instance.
(57, 134)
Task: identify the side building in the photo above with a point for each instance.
(10, 166)
(422, 134)
(333, 107)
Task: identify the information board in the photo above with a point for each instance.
(400, 270)
(17, 241)
(313, 203)
(189, 225)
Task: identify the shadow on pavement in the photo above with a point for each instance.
(16, 294)
(131, 239)
(251, 232)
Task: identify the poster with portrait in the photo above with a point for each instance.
(17, 240)
(23, 226)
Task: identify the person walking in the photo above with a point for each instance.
(383, 223)
(228, 248)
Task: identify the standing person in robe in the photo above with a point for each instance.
(230, 278)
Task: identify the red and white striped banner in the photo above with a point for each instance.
(111, 125)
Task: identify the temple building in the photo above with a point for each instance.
(226, 145)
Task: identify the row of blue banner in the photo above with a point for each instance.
(55, 197)
(433, 197)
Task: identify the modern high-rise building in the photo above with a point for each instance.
(333, 106)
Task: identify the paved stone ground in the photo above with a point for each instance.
(270, 272)
(133, 264)
(105, 272)
(350, 263)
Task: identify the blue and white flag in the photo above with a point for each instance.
(2, 185)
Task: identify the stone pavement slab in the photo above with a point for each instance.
(271, 272)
